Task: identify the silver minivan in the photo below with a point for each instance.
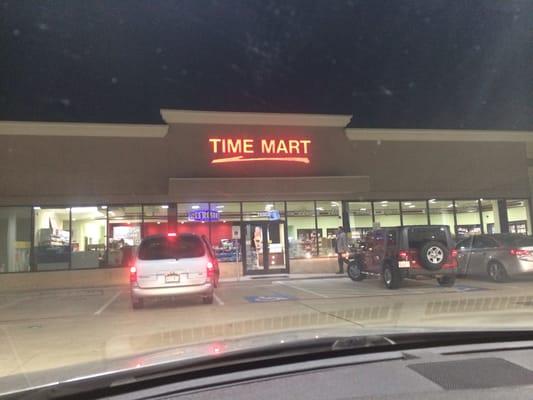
(499, 256)
(172, 265)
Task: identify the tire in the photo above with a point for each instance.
(433, 255)
(137, 304)
(446, 281)
(354, 272)
(208, 299)
(391, 277)
(497, 272)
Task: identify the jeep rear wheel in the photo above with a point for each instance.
(433, 255)
(391, 277)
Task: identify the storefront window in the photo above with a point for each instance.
(414, 213)
(266, 211)
(193, 218)
(360, 219)
(518, 216)
(52, 238)
(226, 231)
(490, 216)
(88, 237)
(301, 228)
(124, 234)
(329, 218)
(387, 213)
(15, 239)
(441, 213)
(155, 220)
(467, 214)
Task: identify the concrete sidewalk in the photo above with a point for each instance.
(284, 277)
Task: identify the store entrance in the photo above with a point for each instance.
(264, 247)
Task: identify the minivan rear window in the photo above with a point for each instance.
(420, 236)
(161, 248)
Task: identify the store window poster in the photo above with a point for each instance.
(130, 234)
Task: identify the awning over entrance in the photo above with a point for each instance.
(288, 188)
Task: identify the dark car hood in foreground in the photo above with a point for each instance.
(278, 346)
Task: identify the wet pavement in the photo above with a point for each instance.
(56, 328)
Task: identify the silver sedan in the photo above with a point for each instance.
(500, 256)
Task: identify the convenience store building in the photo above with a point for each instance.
(267, 190)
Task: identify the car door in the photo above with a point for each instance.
(464, 250)
(482, 248)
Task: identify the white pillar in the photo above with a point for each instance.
(495, 210)
(11, 241)
(528, 216)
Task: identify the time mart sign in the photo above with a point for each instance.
(234, 150)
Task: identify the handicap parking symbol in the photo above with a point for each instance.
(269, 299)
(465, 288)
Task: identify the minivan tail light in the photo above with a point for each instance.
(133, 274)
(519, 252)
(210, 268)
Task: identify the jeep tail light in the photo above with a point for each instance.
(453, 253)
(133, 274)
(403, 255)
(210, 269)
(519, 252)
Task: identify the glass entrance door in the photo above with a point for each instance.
(264, 244)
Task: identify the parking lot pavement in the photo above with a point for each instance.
(54, 328)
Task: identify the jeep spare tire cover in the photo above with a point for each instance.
(433, 255)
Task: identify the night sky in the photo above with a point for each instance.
(418, 64)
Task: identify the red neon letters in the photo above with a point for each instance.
(229, 150)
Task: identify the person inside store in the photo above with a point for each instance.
(341, 247)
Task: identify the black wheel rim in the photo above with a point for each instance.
(387, 275)
(496, 272)
(354, 271)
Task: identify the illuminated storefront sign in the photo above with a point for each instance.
(203, 215)
(272, 215)
(231, 150)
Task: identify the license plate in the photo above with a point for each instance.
(172, 278)
(404, 264)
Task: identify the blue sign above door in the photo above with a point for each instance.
(203, 215)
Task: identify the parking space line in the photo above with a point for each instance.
(218, 300)
(17, 357)
(302, 289)
(108, 303)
